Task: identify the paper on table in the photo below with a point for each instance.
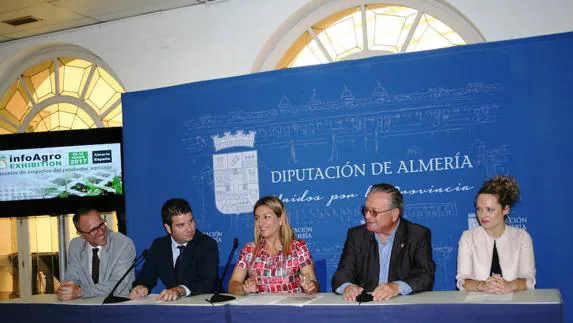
(485, 297)
(296, 300)
(278, 299)
(149, 299)
(260, 299)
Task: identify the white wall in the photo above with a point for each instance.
(223, 39)
(509, 19)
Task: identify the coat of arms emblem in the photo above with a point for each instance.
(235, 174)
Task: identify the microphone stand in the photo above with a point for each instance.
(218, 297)
(110, 299)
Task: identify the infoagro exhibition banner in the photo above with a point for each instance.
(59, 172)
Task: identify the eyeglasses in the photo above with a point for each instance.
(375, 213)
(95, 230)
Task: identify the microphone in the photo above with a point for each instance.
(118, 299)
(218, 297)
(364, 297)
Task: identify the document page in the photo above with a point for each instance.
(278, 299)
(485, 297)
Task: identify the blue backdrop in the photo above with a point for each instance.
(434, 123)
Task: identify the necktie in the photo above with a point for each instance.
(179, 262)
(495, 267)
(95, 266)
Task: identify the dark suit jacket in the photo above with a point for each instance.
(200, 265)
(410, 259)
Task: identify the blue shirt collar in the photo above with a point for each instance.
(390, 237)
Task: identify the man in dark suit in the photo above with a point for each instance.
(185, 260)
(388, 255)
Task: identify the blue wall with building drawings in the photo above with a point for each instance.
(434, 123)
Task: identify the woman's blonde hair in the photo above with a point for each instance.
(286, 235)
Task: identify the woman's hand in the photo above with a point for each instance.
(308, 284)
(495, 284)
(499, 285)
(250, 286)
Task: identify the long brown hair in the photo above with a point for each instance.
(286, 235)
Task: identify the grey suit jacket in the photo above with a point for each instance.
(115, 258)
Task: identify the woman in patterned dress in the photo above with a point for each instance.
(276, 262)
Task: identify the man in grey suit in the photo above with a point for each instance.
(96, 259)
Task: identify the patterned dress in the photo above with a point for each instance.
(278, 273)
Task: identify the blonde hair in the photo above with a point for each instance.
(286, 235)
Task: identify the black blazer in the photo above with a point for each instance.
(200, 265)
(410, 259)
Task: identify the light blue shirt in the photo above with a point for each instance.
(384, 253)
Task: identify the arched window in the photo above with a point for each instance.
(56, 89)
(330, 31)
(52, 88)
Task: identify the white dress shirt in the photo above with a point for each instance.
(515, 250)
(175, 252)
(91, 255)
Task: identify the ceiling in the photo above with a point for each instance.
(57, 15)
